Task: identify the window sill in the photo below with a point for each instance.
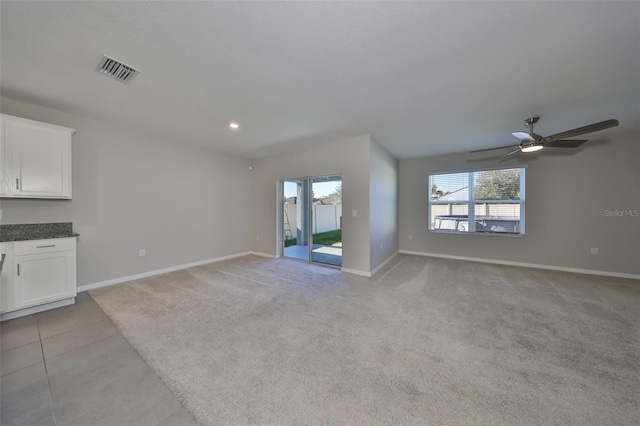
(493, 234)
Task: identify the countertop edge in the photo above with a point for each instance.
(38, 237)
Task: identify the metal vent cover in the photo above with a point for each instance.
(117, 70)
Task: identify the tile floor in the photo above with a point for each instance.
(71, 366)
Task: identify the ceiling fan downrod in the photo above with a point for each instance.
(530, 122)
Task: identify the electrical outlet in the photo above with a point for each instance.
(594, 250)
(257, 237)
(410, 237)
(354, 213)
(143, 252)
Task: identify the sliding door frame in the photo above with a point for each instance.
(280, 215)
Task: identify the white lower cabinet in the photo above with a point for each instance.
(6, 278)
(38, 272)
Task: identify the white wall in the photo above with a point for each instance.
(133, 191)
(349, 157)
(567, 195)
(383, 204)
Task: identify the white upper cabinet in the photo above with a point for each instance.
(35, 159)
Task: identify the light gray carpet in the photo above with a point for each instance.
(426, 341)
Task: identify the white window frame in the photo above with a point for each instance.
(470, 203)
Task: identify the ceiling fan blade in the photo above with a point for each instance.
(582, 130)
(493, 149)
(523, 136)
(508, 154)
(574, 143)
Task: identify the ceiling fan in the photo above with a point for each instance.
(532, 142)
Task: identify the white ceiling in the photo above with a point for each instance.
(423, 78)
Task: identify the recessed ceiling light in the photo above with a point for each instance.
(234, 125)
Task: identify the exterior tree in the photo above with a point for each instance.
(338, 193)
(498, 185)
(335, 195)
(436, 193)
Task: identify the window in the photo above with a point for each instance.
(483, 201)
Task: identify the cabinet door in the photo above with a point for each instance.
(6, 162)
(6, 278)
(41, 160)
(43, 278)
(36, 158)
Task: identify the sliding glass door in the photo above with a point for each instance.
(296, 219)
(312, 219)
(326, 220)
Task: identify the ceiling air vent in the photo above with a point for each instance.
(117, 70)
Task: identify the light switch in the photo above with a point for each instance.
(355, 213)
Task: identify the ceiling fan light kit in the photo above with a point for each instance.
(531, 146)
(533, 142)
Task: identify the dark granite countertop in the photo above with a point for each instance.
(36, 231)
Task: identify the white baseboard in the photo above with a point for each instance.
(99, 284)
(93, 286)
(35, 309)
(373, 272)
(270, 256)
(380, 266)
(356, 272)
(527, 265)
